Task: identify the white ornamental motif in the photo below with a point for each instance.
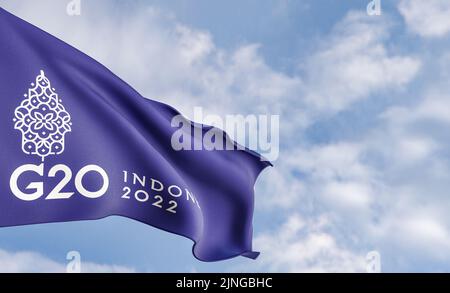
(42, 120)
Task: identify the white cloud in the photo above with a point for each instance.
(340, 160)
(385, 190)
(279, 187)
(434, 107)
(348, 195)
(301, 246)
(32, 262)
(354, 64)
(429, 234)
(426, 18)
(334, 176)
(350, 183)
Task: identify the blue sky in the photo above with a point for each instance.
(364, 104)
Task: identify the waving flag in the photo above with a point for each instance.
(77, 143)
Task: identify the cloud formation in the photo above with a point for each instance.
(353, 63)
(32, 262)
(426, 18)
(304, 246)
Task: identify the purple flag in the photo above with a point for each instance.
(78, 143)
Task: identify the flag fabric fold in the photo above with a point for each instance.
(78, 143)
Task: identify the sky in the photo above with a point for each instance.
(364, 107)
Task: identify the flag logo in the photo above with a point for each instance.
(120, 159)
(42, 120)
